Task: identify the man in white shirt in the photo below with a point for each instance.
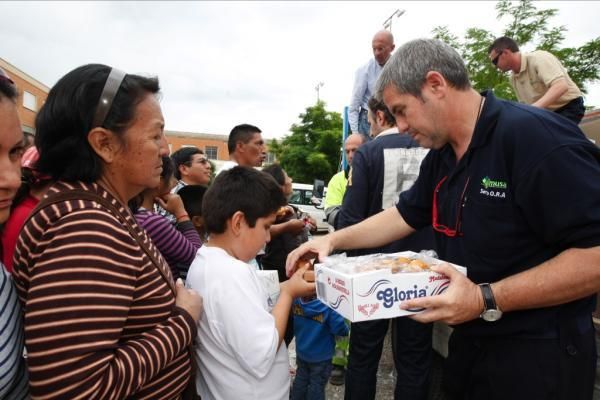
(246, 147)
(364, 82)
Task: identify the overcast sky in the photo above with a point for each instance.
(225, 63)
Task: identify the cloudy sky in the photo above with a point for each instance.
(225, 63)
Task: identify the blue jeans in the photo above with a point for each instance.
(364, 128)
(310, 380)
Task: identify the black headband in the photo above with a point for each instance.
(111, 88)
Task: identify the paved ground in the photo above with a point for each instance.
(385, 376)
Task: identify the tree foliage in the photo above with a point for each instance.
(312, 151)
(526, 25)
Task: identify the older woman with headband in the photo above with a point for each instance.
(103, 317)
(13, 371)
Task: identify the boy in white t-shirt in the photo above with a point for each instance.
(239, 349)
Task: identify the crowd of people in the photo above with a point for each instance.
(129, 272)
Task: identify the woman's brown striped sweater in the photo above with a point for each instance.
(100, 320)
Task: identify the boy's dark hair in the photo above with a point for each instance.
(243, 189)
(67, 116)
(376, 105)
(184, 156)
(503, 43)
(192, 196)
(276, 172)
(241, 133)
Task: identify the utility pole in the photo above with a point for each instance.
(387, 24)
(317, 88)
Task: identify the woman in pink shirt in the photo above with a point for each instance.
(33, 187)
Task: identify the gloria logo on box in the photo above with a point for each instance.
(388, 296)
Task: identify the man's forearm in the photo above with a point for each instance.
(571, 275)
(376, 231)
(353, 119)
(557, 89)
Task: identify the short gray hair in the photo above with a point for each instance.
(407, 68)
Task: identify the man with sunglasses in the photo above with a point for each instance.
(513, 194)
(538, 78)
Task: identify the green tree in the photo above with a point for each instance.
(526, 25)
(312, 150)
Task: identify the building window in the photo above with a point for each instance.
(29, 101)
(212, 152)
(270, 158)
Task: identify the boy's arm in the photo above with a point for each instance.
(296, 286)
(281, 313)
(337, 324)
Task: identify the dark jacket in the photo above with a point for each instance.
(381, 169)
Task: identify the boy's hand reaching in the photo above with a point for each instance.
(297, 286)
(189, 300)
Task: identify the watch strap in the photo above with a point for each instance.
(489, 302)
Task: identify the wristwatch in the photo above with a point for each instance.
(491, 311)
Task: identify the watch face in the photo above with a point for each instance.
(491, 315)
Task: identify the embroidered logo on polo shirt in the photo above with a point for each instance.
(491, 184)
(493, 188)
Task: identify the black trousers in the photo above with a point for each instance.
(573, 110)
(411, 346)
(519, 368)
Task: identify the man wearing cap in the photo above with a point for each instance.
(538, 78)
(364, 82)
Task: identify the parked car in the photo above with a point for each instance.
(303, 198)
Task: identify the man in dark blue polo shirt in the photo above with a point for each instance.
(513, 194)
(381, 169)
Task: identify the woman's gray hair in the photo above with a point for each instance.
(407, 68)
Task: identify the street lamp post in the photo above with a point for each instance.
(318, 88)
(387, 24)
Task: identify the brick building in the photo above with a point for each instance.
(32, 95)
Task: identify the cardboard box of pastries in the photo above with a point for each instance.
(373, 286)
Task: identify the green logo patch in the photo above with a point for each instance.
(491, 184)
